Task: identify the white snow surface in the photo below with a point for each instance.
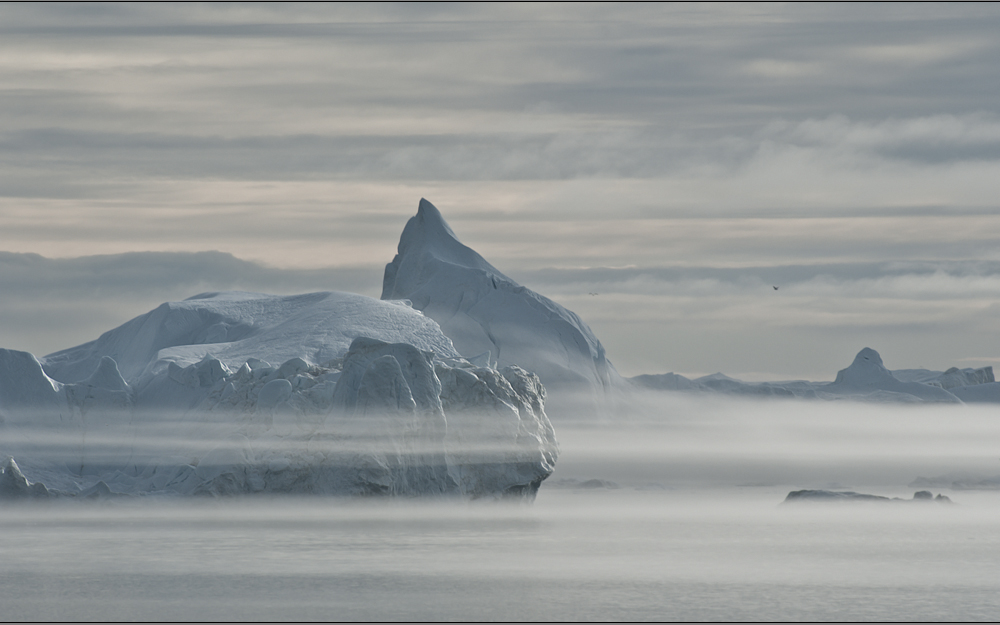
(363, 397)
(489, 316)
(233, 326)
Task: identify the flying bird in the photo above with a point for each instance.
(775, 288)
(592, 293)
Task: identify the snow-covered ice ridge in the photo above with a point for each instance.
(227, 393)
(867, 379)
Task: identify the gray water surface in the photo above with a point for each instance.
(575, 555)
(686, 523)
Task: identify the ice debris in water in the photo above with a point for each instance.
(839, 496)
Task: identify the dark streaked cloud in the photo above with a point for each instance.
(290, 157)
(835, 144)
(520, 93)
(50, 304)
(155, 273)
(788, 275)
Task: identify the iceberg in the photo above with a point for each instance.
(866, 379)
(664, 382)
(489, 316)
(952, 378)
(364, 397)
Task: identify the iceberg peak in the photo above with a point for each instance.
(427, 239)
(866, 371)
(481, 310)
(430, 218)
(868, 355)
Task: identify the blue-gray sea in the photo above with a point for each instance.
(677, 516)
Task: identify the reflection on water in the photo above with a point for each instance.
(694, 531)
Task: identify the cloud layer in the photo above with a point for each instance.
(674, 158)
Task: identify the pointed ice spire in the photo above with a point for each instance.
(481, 309)
(426, 239)
(431, 220)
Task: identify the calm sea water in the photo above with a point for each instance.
(705, 540)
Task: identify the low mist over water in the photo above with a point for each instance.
(675, 513)
(683, 440)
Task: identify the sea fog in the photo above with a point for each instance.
(671, 512)
(710, 441)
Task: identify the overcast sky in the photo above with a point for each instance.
(677, 160)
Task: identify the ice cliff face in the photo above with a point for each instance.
(363, 397)
(487, 315)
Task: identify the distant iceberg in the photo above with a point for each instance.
(866, 379)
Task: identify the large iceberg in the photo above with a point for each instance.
(227, 393)
(488, 316)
